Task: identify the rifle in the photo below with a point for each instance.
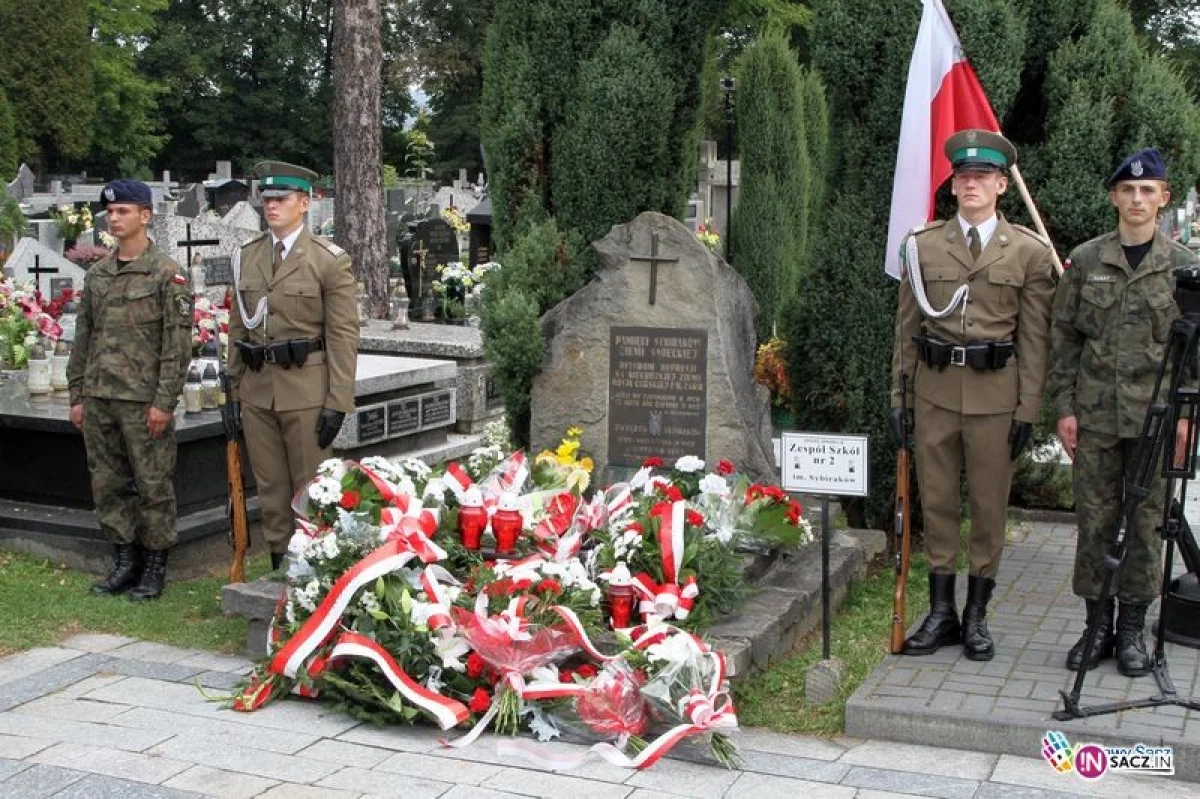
(901, 525)
(239, 526)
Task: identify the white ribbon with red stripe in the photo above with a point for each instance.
(671, 599)
(413, 524)
(447, 712)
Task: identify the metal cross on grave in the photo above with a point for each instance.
(420, 251)
(37, 271)
(654, 260)
(188, 243)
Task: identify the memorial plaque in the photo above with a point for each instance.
(436, 236)
(371, 423)
(218, 271)
(436, 409)
(57, 284)
(403, 416)
(657, 394)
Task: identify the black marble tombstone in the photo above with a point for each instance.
(480, 218)
(45, 490)
(435, 243)
(224, 194)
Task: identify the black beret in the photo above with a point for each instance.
(1145, 164)
(126, 191)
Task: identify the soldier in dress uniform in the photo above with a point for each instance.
(1112, 317)
(971, 337)
(294, 337)
(133, 344)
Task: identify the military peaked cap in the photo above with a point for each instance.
(981, 149)
(277, 179)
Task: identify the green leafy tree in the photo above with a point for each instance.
(47, 74)
(8, 141)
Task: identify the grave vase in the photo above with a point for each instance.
(58, 372)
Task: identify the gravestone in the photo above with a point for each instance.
(193, 201)
(225, 194)
(31, 262)
(435, 243)
(243, 215)
(666, 378)
(45, 231)
(320, 215)
(168, 230)
(480, 218)
(23, 184)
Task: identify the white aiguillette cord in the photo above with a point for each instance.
(260, 310)
(915, 279)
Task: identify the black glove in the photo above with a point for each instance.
(328, 425)
(1018, 438)
(902, 420)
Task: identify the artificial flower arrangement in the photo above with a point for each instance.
(456, 219)
(770, 370)
(472, 597)
(87, 254)
(457, 281)
(24, 316)
(70, 221)
(708, 235)
(210, 322)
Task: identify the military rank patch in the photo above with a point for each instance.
(184, 304)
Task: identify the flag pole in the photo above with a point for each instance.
(1033, 212)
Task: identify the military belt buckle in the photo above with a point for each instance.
(958, 356)
(269, 354)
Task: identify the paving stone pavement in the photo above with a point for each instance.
(103, 716)
(1004, 706)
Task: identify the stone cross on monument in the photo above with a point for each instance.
(37, 271)
(654, 260)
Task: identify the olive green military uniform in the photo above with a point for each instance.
(1110, 326)
(963, 416)
(132, 348)
(310, 295)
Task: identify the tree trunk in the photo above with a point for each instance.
(357, 164)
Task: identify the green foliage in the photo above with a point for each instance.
(419, 149)
(47, 74)
(770, 220)
(12, 221)
(391, 177)
(9, 159)
(614, 142)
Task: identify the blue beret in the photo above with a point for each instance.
(1145, 164)
(126, 191)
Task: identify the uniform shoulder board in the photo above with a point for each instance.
(1033, 234)
(934, 225)
(256, 238)
(332, 248)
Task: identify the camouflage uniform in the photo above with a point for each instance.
(1110, 325)
(132, 348)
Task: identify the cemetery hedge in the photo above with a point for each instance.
(8, 140)
(1073, 86)
(588, 124)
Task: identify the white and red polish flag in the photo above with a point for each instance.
(943, 97)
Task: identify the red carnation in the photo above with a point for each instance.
(674, 494)
(480, 701)
(776, 493)
(653, 462)
(350, 499)
(475, 665)
(566, 675)
(724, 467)
(753, 493)
(636, 527)
(694, 518)
(794, 511)
(586, 671)
(549, 586)
(523, 585)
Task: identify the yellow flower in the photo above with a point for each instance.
(567, 449)
(574, 432)
(545, 456)
(587, 464)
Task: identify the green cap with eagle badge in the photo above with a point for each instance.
(277, 179)
(980, 149)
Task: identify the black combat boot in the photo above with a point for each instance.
(154, 576)
(127, 564)
(1132, 659)
(276, 561)
(1105, 641)
(977, 642)
(941, 627)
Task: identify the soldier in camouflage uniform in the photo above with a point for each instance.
(133, 341)
(1112, 317)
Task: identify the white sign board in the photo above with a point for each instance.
(817, 463)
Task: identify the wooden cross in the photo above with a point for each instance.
(420, 276)
(189, 242)
(654, 259)
(37, 271)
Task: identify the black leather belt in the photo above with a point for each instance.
(293, 352)
(982, 356)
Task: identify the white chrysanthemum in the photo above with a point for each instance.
(325, 491)
(714, 484)
(387, 469)
(640, 477)
(416, 468)
(333, 467)
(435, 488)
(689, 463)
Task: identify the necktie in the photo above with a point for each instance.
(278, 259)
(973, 243)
